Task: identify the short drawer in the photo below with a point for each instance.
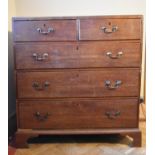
(78, 114)
(52, 30)
(110, 29)
(78, 83)
(73, 55)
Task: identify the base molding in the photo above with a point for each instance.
(22, 135)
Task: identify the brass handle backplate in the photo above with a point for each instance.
(117, 56)
(40, 117)
(49, 30)
(112, 114)
(113, 86)
(38, 86)
(39, 57)
(109, 30)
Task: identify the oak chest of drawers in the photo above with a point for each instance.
(77, 75)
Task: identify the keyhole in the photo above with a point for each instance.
(109, 23)
(44, 25)
(76, 75)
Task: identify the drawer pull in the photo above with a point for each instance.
(41, 118)
(117, 56)
(49, 30)
(109, 30)
(38, 57)
(38, 86)
(112, 114)
(113, 86)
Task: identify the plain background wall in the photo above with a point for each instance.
(78, 7)
(69, 8)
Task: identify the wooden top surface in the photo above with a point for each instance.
(76, 17)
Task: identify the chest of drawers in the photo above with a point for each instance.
(77, 75)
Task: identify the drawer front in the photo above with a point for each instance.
(107, 29)
(45, 30)
(77, 114)
(72, 55)
(78, 83)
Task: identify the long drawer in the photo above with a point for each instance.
(78, 83)
(77, 55)
(77, 114)
(110, 29)
(50, 30)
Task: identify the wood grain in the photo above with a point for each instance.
(77, 55)
(90, 29)
(78, 114)
(78, 83)
(81, 149)
(69, 83)
(97, 146)
(27, 30)
(78, 17)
